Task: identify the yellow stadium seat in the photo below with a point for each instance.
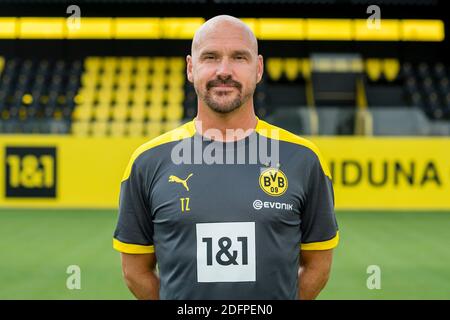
(86, 96)
(92, 63)
(169, 125)
(121, 95)
(136, 129)
(176, 80)
(108, 74)
(89, 80)
(138, 98)
(158, 80)
(153, 129)
(99, 128)
(120, 113)
(155, 113)
(291, 68)
(306, 69)
(274, 68)
(105, 97)
(102, 112)
(124, 80)
(373, 69)
(140, 93)
(176, 64)
(391, 68)
(175, 96)
(117, 129)
(174, 112)
(126, 63)
(140, 72)
(83, 113)
(2, 64)
(140, 80)
(138, 113)
(159, 64)
(156, 96)
(143, 64)
(110, 63)
(107, 81)
(80, 129)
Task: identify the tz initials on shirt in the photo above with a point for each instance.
(184, 204)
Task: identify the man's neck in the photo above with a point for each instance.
(241, 122)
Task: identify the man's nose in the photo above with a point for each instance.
(224, 69)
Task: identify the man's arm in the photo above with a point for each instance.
(139, 272)
(313, 273)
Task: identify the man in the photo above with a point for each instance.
(246, 230)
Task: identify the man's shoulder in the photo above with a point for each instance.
(299, 144)
(182, 132)
(271, 131)
(145, 151)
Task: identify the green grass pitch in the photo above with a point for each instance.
(411, 248)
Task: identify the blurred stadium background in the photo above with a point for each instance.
(75, 102)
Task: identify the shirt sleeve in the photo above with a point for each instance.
(319, 226)
(134, 230)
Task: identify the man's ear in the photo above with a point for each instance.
(260, 70)
(189, 69)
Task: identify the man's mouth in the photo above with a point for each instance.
(224, 86)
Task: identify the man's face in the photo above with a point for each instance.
(225, 69)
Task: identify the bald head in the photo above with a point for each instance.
(224, 65)
(224, 26)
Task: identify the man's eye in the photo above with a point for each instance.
(240, 57)
(209, 57)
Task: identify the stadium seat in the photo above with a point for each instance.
(291, 68)
(117, 129)
(336, 121)
(138, 113)
(2, 64)
(81, 128)
(176, 65)
(120, 113)
(373, 69)
(153, 129)
(391, 68)
(155, 112)
(135, 129)
(399, 121)
(99, 128)
(173, 112)
(274, 68)
(296, 120)
(102, 112)
(169, 125)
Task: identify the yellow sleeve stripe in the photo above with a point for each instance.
(132, 248)
(323, 245)
(185, 131)
(273, 132)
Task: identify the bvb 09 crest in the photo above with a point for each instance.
(273, 182)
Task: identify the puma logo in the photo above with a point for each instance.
(178, 180)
